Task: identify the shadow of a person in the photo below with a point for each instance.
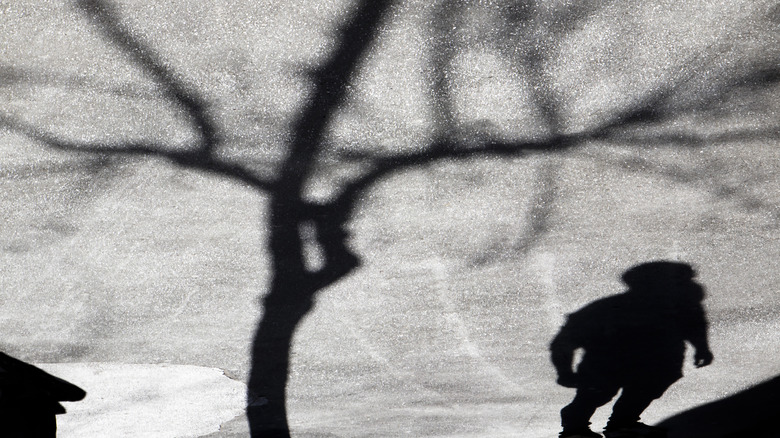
(30, 399)
(634, 341)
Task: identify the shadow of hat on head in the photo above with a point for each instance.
(660, 275)
(655, 271)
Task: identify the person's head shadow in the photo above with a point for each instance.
(664, 280)
(634, 341)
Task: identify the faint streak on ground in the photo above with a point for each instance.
(453, 318)
(377, 356)
(543, 263)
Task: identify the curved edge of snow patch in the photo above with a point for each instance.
(147, 400)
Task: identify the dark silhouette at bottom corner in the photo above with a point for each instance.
(635, 342)
(30, 399)
(750, 413)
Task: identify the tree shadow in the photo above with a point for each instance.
(30, 399)
(635, 342)
(295, 285)
(749, 413)
(11, 75)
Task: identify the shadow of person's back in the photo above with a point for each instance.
(30, 399)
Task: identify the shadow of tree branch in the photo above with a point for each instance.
(184, 158)
(294, 285)
(11, 75)
(106, 17)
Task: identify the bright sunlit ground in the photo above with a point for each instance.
(140, 282)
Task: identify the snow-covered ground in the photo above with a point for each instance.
(140, 281)
(155, 401)
(443, 331)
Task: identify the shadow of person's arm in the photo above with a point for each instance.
(562, 350)
(696, 328)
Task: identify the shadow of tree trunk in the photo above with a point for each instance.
(294, 285)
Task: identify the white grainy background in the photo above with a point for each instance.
(133, 270)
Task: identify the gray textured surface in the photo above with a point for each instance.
(468, 266)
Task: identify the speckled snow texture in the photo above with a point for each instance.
(144, 400)
(468, 266)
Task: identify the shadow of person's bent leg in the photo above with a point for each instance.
(634, 399)
(575, 417)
